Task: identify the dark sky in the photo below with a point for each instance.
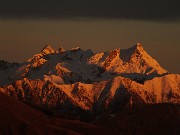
(155, 10)
(28, 25)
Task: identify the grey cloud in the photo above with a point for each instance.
(150, 10)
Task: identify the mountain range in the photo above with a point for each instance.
(69, 80)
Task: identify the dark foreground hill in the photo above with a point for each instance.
(17, 118)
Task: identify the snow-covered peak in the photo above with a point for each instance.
(47, 50)
(125, 54)
(137, 60)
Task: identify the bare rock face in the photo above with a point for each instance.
(77, 80)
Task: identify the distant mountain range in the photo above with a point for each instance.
(63, 81)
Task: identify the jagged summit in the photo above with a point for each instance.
(137, 50)
(47, 50)
(136, 59)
